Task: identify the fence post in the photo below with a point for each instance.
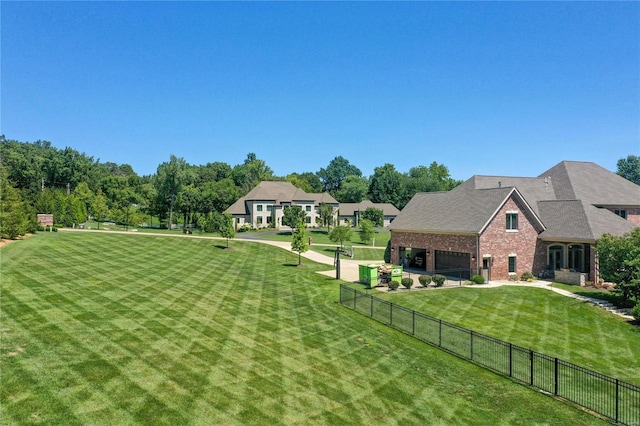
(471, 349)
(531, 367)
(355, 295)
(510, 360)
(391, 314)
(555, 376)
(617, 399)
(413, 325)
(371, 306)
(440, 332)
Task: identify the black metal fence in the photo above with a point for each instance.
(612, 398)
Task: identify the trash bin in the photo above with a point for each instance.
(396, 273)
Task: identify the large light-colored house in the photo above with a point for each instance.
(263, 205)
(502, 226)
(350, 212)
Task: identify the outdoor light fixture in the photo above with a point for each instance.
(428, 252)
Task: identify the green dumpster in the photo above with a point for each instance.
(369, 274)
(396, 273)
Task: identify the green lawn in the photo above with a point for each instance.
(319, 236)
(539, 319)
(102, 328)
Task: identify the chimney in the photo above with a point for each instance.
(499, 184)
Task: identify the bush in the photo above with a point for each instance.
(478, 279)
(635, 312)
(439, 280)
(393, 285)
(424, 279)
(245, 228)
(527, 276)
(407, 282)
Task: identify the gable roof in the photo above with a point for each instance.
(278, 192)
(349, 209)
(551, 198)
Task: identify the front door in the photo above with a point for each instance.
(556, 257)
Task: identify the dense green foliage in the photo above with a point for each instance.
(439, 280)
(367, 231)
(620, 262)
(374, 215)
(425, 280)
(101, 329)
(478, 279)
(407, 282)
(340, 234)
(629, 168)
(292, 216)
(75, 187)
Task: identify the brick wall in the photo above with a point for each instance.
(633, 216)
(497, 241)
(432, 242)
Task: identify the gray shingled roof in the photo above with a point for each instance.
(593, 184)
(278, 192)
(576, 220)
(565, 199)
(349, 209)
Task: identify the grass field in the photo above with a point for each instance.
(100, 328)
(539, 319)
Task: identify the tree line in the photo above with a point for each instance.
(36, 177)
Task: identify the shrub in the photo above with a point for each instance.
(407, 282)
(635, 312)
(439, 280)
(527, 276)
(393, 285)
(245, 228)
(424, 279)
(478, 279)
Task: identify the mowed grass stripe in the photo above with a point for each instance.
(541, 320)
(230, 337)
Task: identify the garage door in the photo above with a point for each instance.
(454, 262)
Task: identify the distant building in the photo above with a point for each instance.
(502, 226)
(350, 212)
(263, 205)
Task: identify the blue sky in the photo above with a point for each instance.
(504, 88)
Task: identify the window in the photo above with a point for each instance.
(308, 208)
(512, 264)
(621, 213)
(259, 207)
(259, 220)
(269, 207)
(269, 219)
(307, 219)
(512, 221)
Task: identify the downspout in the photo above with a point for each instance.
(478, 254)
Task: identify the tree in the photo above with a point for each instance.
(386, 186)
(307, 181)
(354, 189)
(170, 177)
(299, 242)
(292, 215)
(252, 172)
(367, 231)
(226, 227)
(335, 173)
(374, 215)
(619, 259)
(84, 194)
(340, 234)
(99, 207)
(326, 212)
(629, 168)
(14, 213)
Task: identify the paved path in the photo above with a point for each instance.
(349, 269)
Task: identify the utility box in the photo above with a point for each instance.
(396, 273)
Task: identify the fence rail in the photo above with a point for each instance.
(612, 398)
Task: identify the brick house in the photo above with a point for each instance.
(501, 226)
(350, 212)
(263, 205)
